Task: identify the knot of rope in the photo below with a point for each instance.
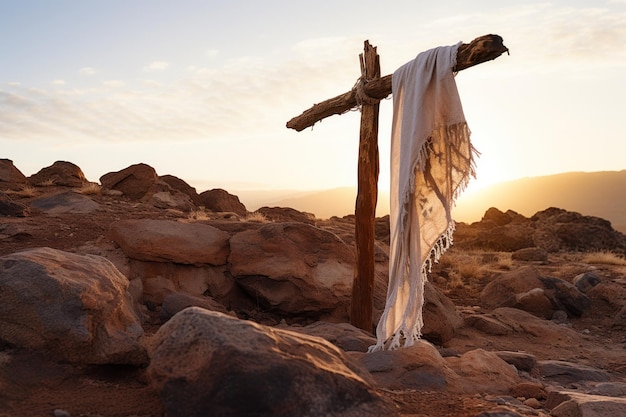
(361, 95)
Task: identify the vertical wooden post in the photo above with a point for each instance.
(361, 309)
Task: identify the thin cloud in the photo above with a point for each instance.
(87, 71)
(157, 66)
(113, 83)
(59, 82)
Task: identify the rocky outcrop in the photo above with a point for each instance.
(294, 268)
(141, 182)
(221, 201)
(133, 182)
(286, 215)
(11, 178)
(528, 290)
(552, 230)
(205, 363)
(181, 186)
(75, 308)
(11, 208)
(61, 173)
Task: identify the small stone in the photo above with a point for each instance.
(61, 413)
(532, 402)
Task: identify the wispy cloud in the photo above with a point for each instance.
(156, 66)
(58, 82)
(87, 71)
(244, 96)
(113, 83)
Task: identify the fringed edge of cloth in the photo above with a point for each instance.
(456, 135)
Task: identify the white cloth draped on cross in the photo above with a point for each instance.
(432, 159)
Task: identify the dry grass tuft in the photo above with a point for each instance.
(47, 183)
(90, 188)
(604, 257)
(256, 217)
(25, 191)
(199, 215)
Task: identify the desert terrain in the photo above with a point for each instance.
(33, 384)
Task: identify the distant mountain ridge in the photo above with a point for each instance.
(601, 194)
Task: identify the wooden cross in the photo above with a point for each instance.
(369, 90)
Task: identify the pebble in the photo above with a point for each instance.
(61, 413)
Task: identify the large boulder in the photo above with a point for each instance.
(171, 241)
(73, 307)
(11, 178)
(180, 185)
(221, 200)
(421, 367)
(134, 181)
(441, 318)
(11, 208)
(417, 367)
(525, 288)
(60, 173)
(294, 268)
(207, 363)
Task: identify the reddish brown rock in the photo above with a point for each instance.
(294, 268)
(208, 363)
(180, 185)
(219, 200)
(11, 178)
(11, 208)
(286, 214)
(75, 308)
(171, 241)
(134, 182)
(60, 173)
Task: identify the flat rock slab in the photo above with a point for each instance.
(171, 241)
(585, 405)
(68, 202)
(567, 372)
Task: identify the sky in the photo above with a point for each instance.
(202, 89)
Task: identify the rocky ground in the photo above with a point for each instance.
(33, 385)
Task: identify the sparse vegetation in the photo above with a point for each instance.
(604, 257)
(468, 270)
(90, 188)
(256, 217)
(25, 191)
(200, 214)
(47, 183)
